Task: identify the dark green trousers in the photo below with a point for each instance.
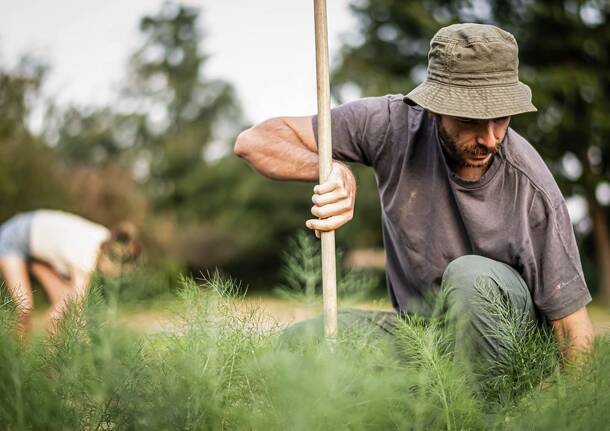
(477, 295)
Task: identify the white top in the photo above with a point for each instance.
(66, 241)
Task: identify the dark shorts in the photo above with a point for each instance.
(15, 236)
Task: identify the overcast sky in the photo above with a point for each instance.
(264, 47)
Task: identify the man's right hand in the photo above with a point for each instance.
(284, 148)
(333, 200)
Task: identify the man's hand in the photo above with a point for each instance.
(333, 200)
(574, 333)
(284, 148)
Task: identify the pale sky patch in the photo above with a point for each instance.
(265, 48)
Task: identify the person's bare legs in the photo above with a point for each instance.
(15, 273)
(56, 288)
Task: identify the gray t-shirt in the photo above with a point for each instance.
(514, 214)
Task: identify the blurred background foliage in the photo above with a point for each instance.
(161, 156)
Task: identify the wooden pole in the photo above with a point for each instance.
(329, 278)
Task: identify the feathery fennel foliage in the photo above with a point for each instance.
(532, 358)
(302, 274)
(219, 368)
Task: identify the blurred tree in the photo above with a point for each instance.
(94, 136)
(30, 173)
(564, 55)
(189, 117)
(169, 120)
(248, 220)
(229, 216)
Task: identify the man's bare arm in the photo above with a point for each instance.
(574, 333)
(285, 149)
(282, 148)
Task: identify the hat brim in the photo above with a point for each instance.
(472, 102)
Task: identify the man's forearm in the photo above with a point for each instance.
(280, 149)
(285, 149)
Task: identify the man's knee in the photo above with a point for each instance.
(473, 277)
(465, 277)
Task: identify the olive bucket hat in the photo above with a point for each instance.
(473, 72)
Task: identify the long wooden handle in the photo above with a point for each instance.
(329, 276)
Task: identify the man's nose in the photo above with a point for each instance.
(487, 136)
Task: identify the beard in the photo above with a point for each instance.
(457, 154)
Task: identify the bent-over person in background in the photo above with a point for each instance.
(62, 251)
(469, 207)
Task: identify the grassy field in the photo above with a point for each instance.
(214, 359)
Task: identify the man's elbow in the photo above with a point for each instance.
(259, 138)
(244, 144)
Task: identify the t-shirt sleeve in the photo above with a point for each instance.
(359, 129)
(560, 288)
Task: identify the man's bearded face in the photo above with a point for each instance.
(471, 143)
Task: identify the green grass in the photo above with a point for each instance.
(218, 370)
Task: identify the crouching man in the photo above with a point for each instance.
(468, 205)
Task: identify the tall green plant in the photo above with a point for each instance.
(302, 273)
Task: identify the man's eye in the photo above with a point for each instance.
(465, 120)
(500, 119)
